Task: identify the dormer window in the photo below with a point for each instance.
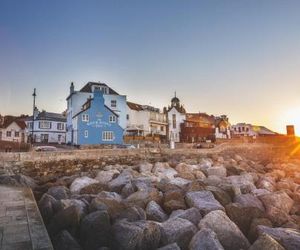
(113, 103)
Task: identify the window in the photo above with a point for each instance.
(60, 126)
(86, 133)
(113, 103)
(29, 125)
(8, 133)
(112, 119)
(161, 128)
(85, 117)
(45, 125)
(127, 117)
(174, 120)
(108, 136)
(17, 134)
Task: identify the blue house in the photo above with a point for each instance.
(96, 123)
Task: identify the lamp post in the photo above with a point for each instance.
(32, 127)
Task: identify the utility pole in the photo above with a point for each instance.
(32, 128)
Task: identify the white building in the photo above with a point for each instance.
(222, 127)
(176, 115)
(47, 128)
(14, 131)
(244, 129)
(144, 120)
(76, 99)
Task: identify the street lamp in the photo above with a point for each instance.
(32, 127)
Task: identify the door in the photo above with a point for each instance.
(0, 135)
(44, 138)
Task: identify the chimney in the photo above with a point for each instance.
(72, 88)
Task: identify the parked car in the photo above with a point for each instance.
(128, 146)
(45, 148)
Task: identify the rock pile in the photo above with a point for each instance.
(215, 202)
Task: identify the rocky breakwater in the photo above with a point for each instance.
(217, 202)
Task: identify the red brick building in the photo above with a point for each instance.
(198, 127)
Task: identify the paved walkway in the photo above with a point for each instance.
(21, 225)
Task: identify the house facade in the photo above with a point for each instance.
(96, 123)
(197, 127)
(176, 115)
(76, 99)
(249, 130)
(144, 120)
(47, 127)
(222, 127)
(14, 131)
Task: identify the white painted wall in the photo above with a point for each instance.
(13, 128)
(174, 133)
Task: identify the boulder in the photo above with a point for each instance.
(266, 242)
(227, 232)
(286, 237)
(249, 200)
(185, 171)
(17, 180)
(163, 170)
(48, 206)
(253, 233)
(82, 205)
(95, 230)
(59, 192)
(219, 171)
(155, 212)
(173, 200)
(80, 183)
(142, 183)
(244, 182)
(118, 183)
(132, 214)
(266, 182)
(278, 206)
(127, 190)
(220, 195)
(192, 214)
(111, 200)
(177, 230)
(243, 215)
(141, 198)
(203, 200)
(205, 239)
(104, 177)
(145, 167)
(94, 188)
(65, 241)
(136, 235)
(66, 219)
(172, 246)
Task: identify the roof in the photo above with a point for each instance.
(49, 116)
(134, 106)
(209, 118)
(88, 88)
(20, 123)
(88, 106)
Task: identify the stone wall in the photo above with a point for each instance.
(60, 163)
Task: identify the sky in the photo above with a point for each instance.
(240, 58)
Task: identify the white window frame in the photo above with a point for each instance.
(60, 126)
(85, 118)
(112, 119)
(45, 125)
(86, 133)
(113, 103)
(108, 136)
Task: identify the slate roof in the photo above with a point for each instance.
(134, 106)
(49, 116)
(88, 88)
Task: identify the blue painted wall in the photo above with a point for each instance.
(98, 122)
